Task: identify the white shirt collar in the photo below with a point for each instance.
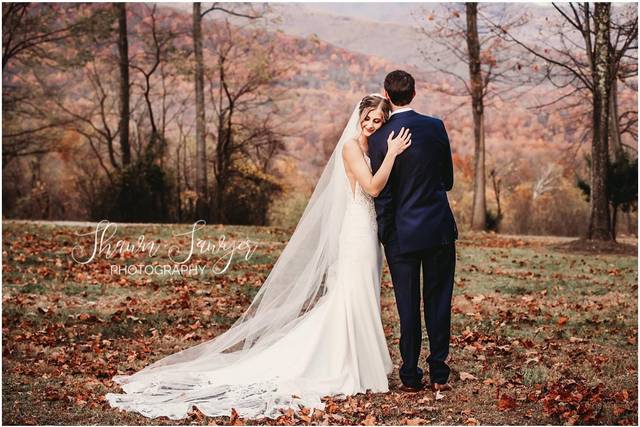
(400, 110)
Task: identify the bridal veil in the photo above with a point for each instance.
(298, 280)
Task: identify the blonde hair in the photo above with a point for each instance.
(372, 102)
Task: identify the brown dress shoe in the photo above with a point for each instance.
(440, 387)
(409, 389)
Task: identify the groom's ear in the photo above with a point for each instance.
(386, 95)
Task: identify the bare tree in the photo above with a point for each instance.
(583, 59)
(490, 69)
(496, 182)
(202, 208)
(95, 117)
(477, 86)
(202, 203)
(123, 50)
(158, 50)
(623, 64)
(599, 222)
(546, 182)
(25, 33)
(31, 36)
(242, 93)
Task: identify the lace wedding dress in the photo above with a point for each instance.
(334, 345)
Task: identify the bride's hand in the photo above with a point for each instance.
(400, 143)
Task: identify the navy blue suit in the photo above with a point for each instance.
(418, 230)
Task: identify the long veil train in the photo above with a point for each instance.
(293, 288)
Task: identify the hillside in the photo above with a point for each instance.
(340, 58)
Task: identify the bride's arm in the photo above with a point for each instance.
(373, 184)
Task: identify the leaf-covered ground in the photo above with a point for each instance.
(544, 331)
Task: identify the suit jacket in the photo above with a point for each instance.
(413, 206)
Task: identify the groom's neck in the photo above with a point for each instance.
(395, 107)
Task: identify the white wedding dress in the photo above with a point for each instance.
(335, 348)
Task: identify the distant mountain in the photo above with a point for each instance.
(393, 31)
(394, 42)
(398, 12)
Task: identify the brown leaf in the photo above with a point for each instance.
(235, 419)
(317, 414)
(622, 395)
(305, 418)
(197, 414)
(618, 410)
(466, 376)
(370, 420)
(506, 402)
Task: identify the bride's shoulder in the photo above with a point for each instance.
(351, 151)
(350, 145)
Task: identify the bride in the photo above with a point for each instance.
(314, 328)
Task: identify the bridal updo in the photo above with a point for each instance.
(373, 102)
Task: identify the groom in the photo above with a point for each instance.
(417, 228)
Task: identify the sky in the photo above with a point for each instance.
(384, 12)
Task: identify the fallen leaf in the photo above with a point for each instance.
(370, 420)
(506, 402)
(466, 376)
(235, 420)
(618, 410)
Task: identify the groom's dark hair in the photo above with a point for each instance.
(400, 87)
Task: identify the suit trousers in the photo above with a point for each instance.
(438, 270)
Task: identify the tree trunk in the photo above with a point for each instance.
(496, 191)
(123, 49)
(223, 161)
(614, 221)
(614, 124)
(599, 223)
(178, 182)
(202, 202)
(479, 209)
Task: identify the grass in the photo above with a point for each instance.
(529, 320)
